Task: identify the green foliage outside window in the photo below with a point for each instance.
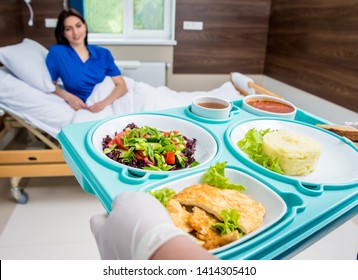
(104, 16)
(107, 16)
(148, 14)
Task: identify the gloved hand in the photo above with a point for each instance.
(137, 226)
(352, 124)
(241, 82)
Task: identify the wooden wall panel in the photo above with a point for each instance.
(11, 30)
(233, 38)
(313, 45)
(42, 9)
(14, 17)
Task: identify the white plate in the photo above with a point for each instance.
(273, 203)
(338, 161)
(206, 146)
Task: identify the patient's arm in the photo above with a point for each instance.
(75, 102)
(119, 90)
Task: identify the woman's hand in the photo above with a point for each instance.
(97, 107)
(75, 102)
(119, 90)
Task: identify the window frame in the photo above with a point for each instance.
(139, 37)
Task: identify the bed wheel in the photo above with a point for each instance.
(20, 195)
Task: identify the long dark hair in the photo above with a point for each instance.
(60, 28)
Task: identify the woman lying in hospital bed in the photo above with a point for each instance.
(26, 90)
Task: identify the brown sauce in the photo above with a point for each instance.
(271, 106)
(212, 105)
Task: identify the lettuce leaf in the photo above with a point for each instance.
(230, 221)
(163, 195)
(251, 144)
(215, 176)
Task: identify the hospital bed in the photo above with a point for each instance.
(16, 164)
(26, 101)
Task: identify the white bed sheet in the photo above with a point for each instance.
(47, 112)
(50, 113)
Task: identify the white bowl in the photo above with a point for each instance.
(262, 100)
(211, 107)
(206, 146)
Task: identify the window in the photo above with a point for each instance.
(128, 21)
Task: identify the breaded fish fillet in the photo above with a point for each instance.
(179, 215)
(201, 222)
(213, 200)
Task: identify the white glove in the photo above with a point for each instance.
(137, 226)
(242, 82)
(352, 124)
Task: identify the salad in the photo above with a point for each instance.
(251, 144)
(214, 176)
(150, 149)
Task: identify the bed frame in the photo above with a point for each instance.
(16, 164)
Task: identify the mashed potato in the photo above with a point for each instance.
(297, 155)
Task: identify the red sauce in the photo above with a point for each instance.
(271, 106)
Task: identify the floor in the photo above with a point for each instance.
(54, 224)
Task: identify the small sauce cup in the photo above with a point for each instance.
(265, 105)
(211, 107)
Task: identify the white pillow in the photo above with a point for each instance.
(48, 112)
(26, 61)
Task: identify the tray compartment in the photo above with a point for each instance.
(275, 205)
(336, 167)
